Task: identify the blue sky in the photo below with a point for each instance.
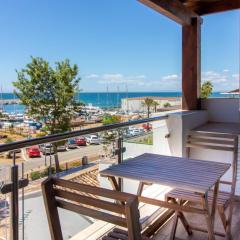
(114, 43)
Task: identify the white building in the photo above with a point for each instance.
(136, 104)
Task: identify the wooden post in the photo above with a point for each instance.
(191, 65)
(51, 209)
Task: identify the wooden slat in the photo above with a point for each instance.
(203, 180)
(211, 141)
(223, 197)
(220, 148)
(172, 9)
(92, 213)
(97, 203)
(93, 190)
(212, 134)
(170, 205)
(118, 236)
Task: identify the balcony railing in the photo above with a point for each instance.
(13, 188)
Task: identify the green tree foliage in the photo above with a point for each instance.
(108, 119)
(149, 103)
(206, 89)
(49, 92)
(167, 104)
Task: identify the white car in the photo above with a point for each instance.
(93, 139)
(136, 132)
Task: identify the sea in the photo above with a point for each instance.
(103, 100)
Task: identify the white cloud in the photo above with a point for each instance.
(222, 80)
(92, 76)
(170, 77)
(214, 77)
(120, 78)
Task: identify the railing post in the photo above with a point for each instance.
(120, 159)
(14, 201)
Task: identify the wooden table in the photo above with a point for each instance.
(194, 175)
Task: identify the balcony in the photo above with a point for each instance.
(23, 214)
(167, 136)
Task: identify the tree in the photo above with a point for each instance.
(148, 102)
(167, 104)
(206, 89)
(155, 104)
(49, 93)
(108, 119)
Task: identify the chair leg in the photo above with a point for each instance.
(185, 223)
(223, 217)
(174, 226)
(229, 220)
(210, 226)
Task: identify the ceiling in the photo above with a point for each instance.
(203, 7)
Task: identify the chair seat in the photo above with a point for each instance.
(119, 234)
(222, 200)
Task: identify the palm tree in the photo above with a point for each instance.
(148, 102)
(155, 104)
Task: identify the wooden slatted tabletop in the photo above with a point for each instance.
(188, 174)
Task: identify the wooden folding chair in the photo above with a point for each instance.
(212, 141)
(91, 201)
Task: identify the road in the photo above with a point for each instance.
(69, 155)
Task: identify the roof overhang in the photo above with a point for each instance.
(183, 11)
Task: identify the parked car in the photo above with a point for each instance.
(93, 139)
(71, 144)
(136, 132)
(62, 148)
(147, 126)
(46, 149)
(33, 151)
(9, 154)
(81, 141)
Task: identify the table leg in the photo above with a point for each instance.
(114, 183)
(179, 215)
(208, 217)
(140, 188)
(174, 226)
(214, 202)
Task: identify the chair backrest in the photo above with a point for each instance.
(90, 201)
(216, 141)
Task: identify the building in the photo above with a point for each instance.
(136, 104)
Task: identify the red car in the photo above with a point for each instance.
(147, 126)
(81, 141)
(33, 151)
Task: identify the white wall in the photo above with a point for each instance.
(222, 109)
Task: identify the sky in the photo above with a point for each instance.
(116, 44)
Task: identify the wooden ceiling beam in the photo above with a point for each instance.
(204, 8)
(172, 9)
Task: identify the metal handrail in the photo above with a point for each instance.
(70, 134)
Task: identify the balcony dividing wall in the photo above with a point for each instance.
(222, 109)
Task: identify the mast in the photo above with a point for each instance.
(127, 97)
(1, 98)
(118, 105)
(107, 97)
